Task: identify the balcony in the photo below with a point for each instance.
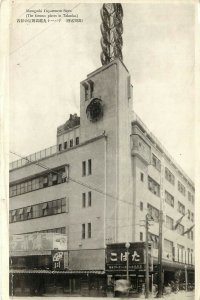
(33, 157)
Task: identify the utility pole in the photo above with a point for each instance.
(127, 245)
(147, 256)
(160, 276)
(186, 278)
(160, 248)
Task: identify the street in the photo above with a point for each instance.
(182, 295)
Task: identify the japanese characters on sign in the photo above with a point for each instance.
(117, 254)
(60, 260)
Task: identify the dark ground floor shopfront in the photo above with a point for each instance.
(92, 283)
(46, 282)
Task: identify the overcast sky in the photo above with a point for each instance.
(48, 61)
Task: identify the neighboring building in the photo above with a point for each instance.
(96, 185)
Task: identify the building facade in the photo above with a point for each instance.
(106, 172)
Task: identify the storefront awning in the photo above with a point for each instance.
(173, 265)
(32, 271)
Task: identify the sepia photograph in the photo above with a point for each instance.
(101, 151)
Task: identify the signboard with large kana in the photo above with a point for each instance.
(116, 256)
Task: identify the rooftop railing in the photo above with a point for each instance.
(33, 157)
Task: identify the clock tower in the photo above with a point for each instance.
(105, 110)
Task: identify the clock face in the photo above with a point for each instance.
(95, 110)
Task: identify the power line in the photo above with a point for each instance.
(73, 179)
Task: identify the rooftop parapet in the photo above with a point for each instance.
(72, 122)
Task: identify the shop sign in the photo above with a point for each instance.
(60, 260)
(38, 241)
(117, 254)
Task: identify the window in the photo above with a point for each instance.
(91, 83)
(89, 230)
(169, 223)
(181, 208)
(60, 147)
(169, 199)
(71, 143)
(83, 168)
(189, 196)
(188, 255)
(83, 200)
(154, 239)
(77, 140)
(192, 235)
(45, 209)
(189, 214)
(13, 214)
(35, 211)
(154, 212)
(180, 229)
(192, 217)
(169, 176)
(89, 198)
(193, 199)
(180, 252)
(142, 177)
(181, 188)
(89, 166)
(65, 145)
(141, 206)
(83, 231)
(29, 212)
(13, 191)
(21, 214)
(168, 246)
(156, 162)
(141, 236)
(153, 186)
(86, 86)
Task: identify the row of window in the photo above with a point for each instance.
(69, 144)
(181, 188)
(87, 199)
(87, 167)
(168, 247)
(89, 231)
(56, 176)
(154, 213)
(38, 210)
(154, 187)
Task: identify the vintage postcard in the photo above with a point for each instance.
(101, 149)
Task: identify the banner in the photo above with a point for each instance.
(38, 242)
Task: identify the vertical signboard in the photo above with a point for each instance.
(60, 260)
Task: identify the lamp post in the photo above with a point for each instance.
(127, 245)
